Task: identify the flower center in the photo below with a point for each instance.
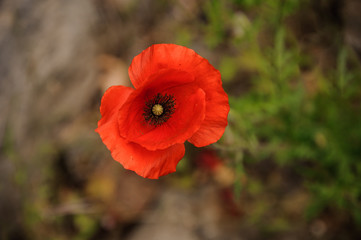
(159, 109)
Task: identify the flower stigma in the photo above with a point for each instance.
(159, 109)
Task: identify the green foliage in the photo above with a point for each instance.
(306, 120)
(86, 226)
(247, 2)
(216, 16)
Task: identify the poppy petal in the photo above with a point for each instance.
(162, 56)
(149, 164)
(114, 97)
(184, 122)
(215, 122)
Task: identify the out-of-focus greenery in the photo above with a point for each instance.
(300, 114)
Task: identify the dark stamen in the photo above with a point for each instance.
(159, 109)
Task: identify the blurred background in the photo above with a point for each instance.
(287, 167)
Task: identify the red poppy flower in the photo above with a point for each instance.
(178, 97)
